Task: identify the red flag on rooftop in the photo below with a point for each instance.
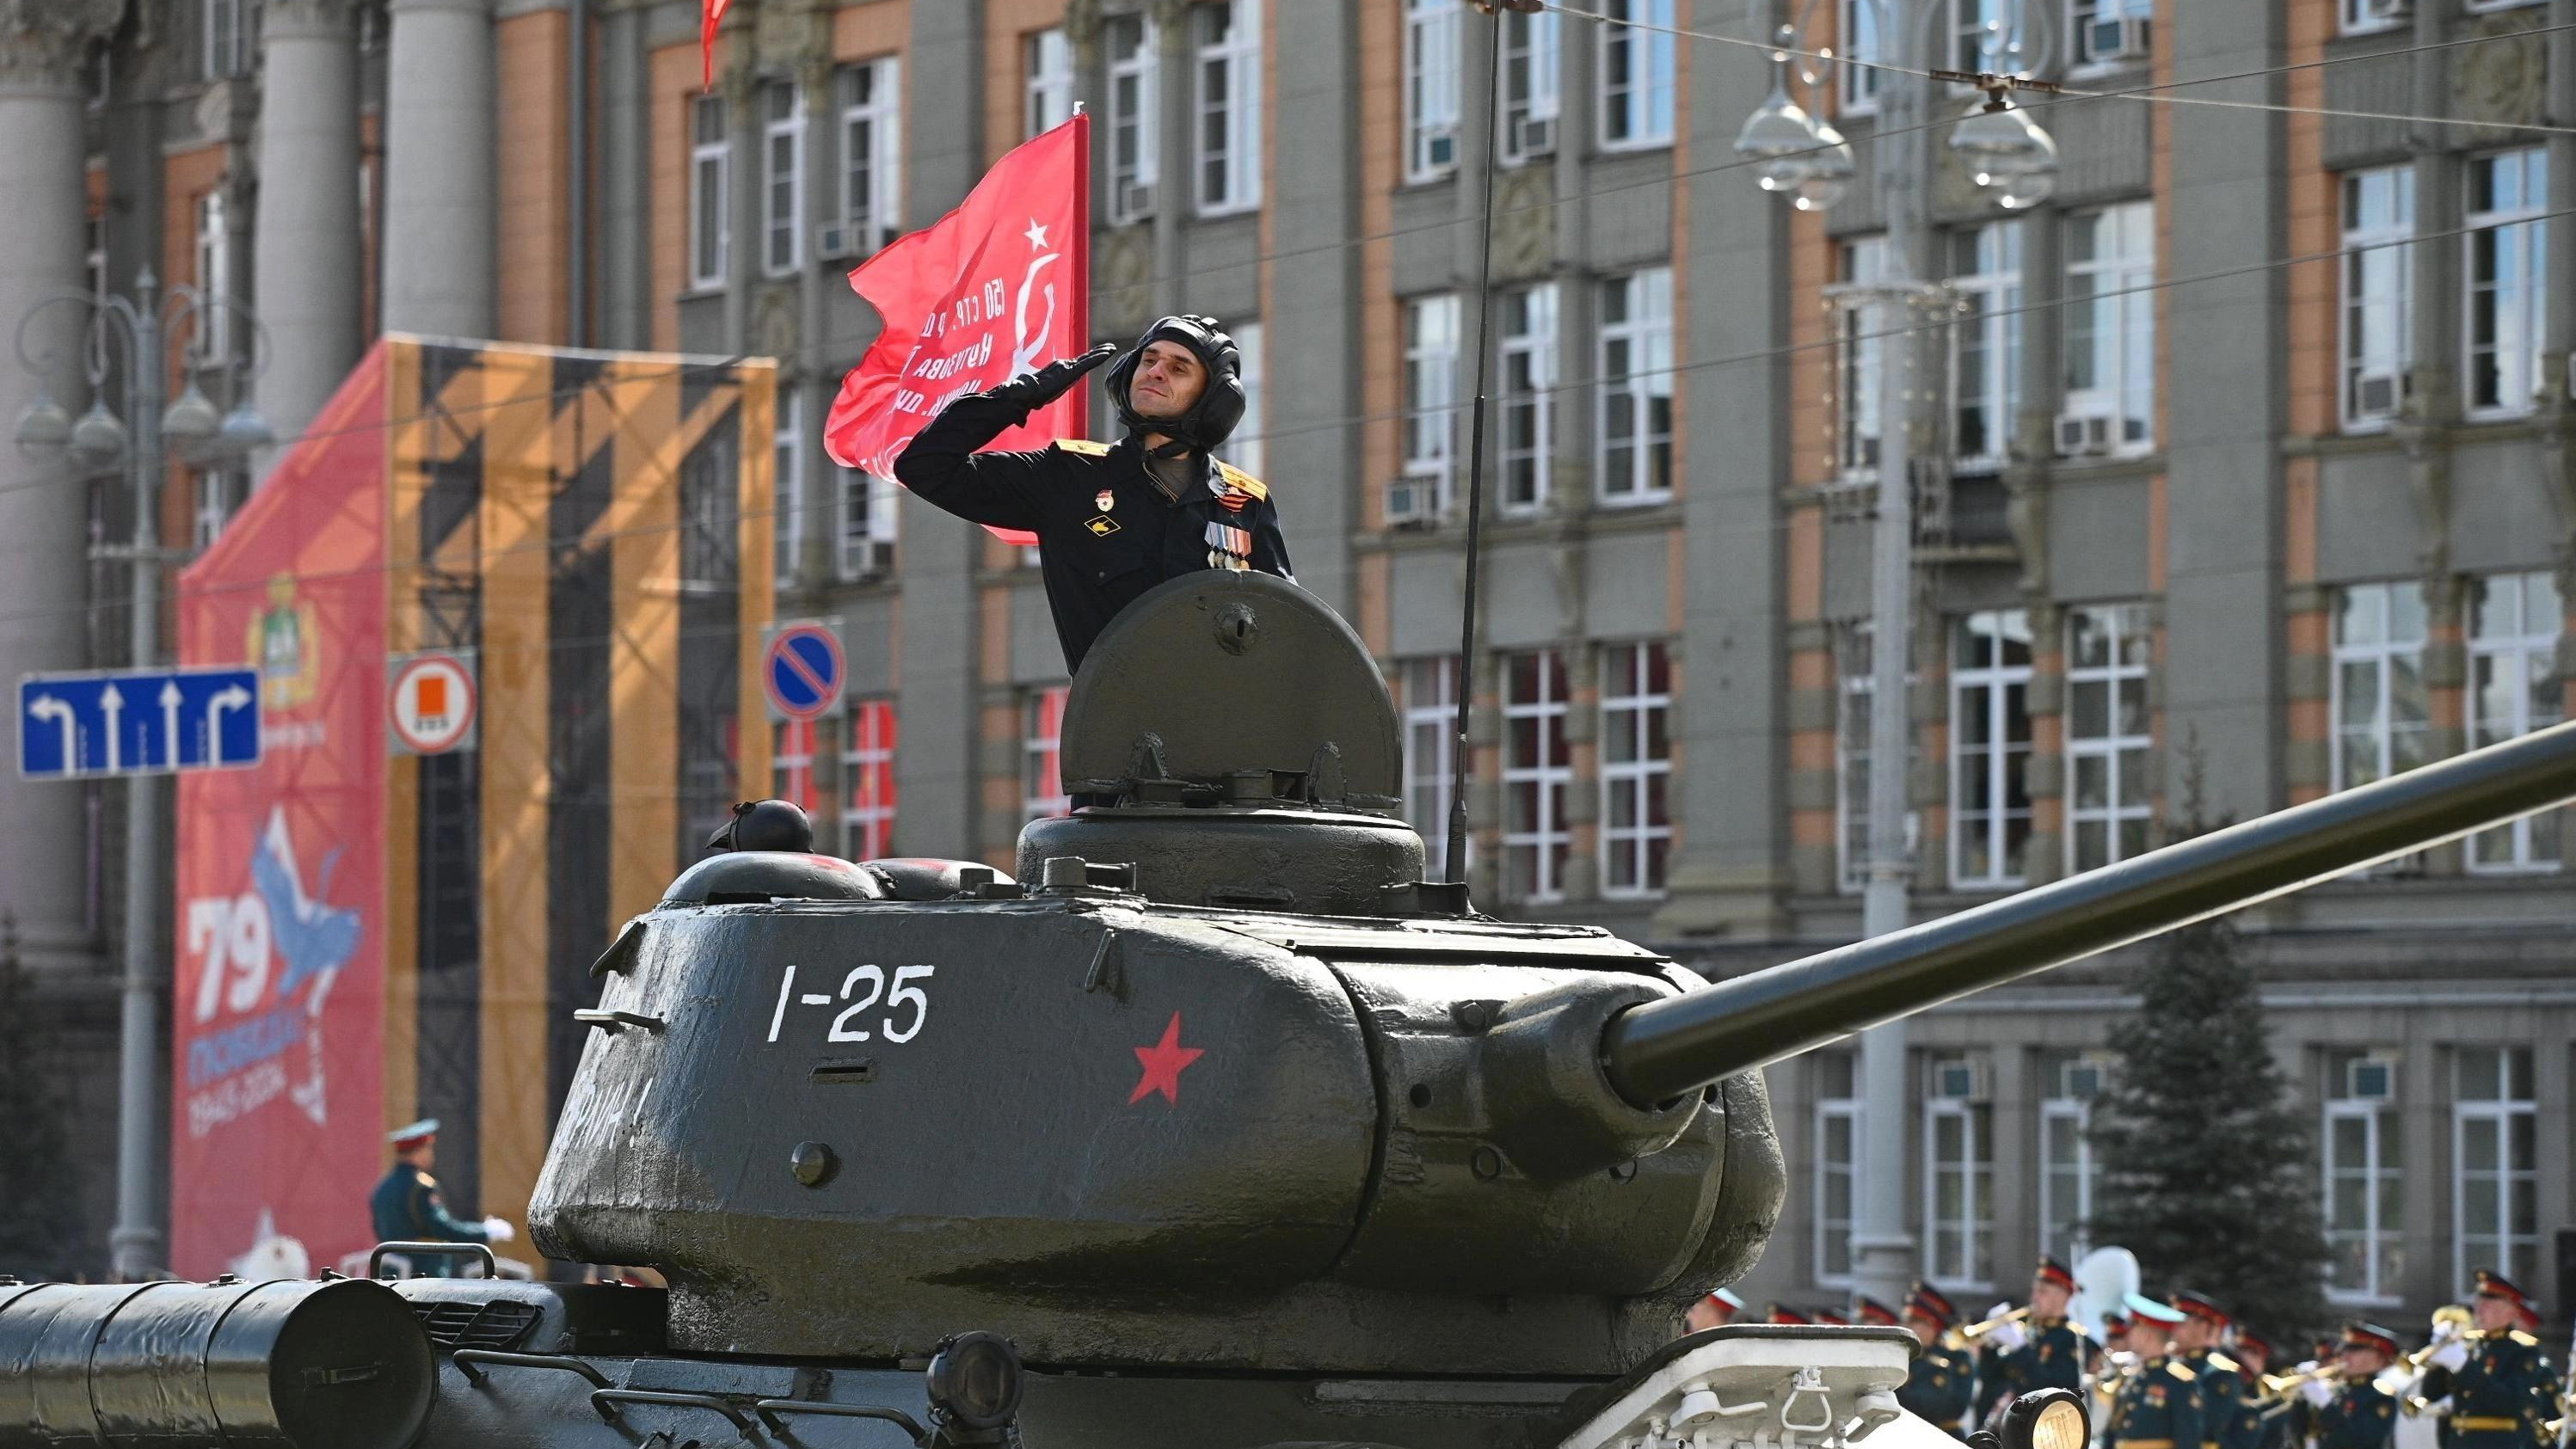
(708, 19)
(996, 288)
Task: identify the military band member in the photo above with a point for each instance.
(2348, 1410)
(1714, 1309)
(2197, 1343)
(1942, 1385)
(1782, 1313)
(406, 1206)
(2256, 1424)
(2157, 1405)
(2043, 1351)
(2502, 1386)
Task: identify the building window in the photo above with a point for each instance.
(1246, 450)
(2364, 1163)
(1538, 767)
(219, 492)
(1980, 31)
(2508, 279)
(1636, 74)
(1042, 753)
(1430, 89)
(1837, 1186)
(1528, 395)
(2378, 292)
(2110, 331)
(1985, 276)
(710, 167)
(791, 763)
(1229, 106)
(2514, 689)
(1859, 346)
(1990, 750)
(94, 256)
(1430, 417)
(214, 278)
(2107, 735)
(1859, 79)
(869, 508)
(2380, 712)
(872, 153)
(2109, 32)
(1636, 768)
(2359, 17)
(1049, 83)
(782, 178)
(1430, 738)
(787, 485)
(1133, 117)
(1531, 58)
(1636, 371)
(2495, 1179)
(2068, 1172)
(232, 38)
(867, 777)
(1959, 1178)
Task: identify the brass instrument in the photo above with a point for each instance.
(2280, 1386)
(1969, 1334)
(2401, 1379)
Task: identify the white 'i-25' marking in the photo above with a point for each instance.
(845, 1026)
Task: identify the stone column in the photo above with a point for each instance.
(439, 183)
(625, 118)
(305, 281)
(43, 511)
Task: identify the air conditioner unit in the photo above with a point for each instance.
(2084, 435)
(2386, 9)
(1962, 1080)
(831, 242)
(1412, 501)
(1135, 199)
(2370, 1079)
(2375, 394)
(2118, 37)
(1440, 149)
(2085, 1077)
(1534, 136)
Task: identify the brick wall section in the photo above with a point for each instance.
(1007, 27)
(529, 241)
(2314, 225)
(675, 80)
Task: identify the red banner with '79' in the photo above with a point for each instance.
(996, 288)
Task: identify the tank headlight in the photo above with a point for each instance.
(2046, 1419)
(975, 1381)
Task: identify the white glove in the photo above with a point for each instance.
(498, 1230)
(2008, 1337)
(2439, 1406)
(2317, 1392)
(2452, 1355)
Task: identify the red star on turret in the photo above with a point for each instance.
(1163, 1062)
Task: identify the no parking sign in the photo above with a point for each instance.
(803, 671)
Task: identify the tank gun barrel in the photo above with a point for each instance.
(1663, 1049)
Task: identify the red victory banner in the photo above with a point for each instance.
(998, 287)
(710, 15)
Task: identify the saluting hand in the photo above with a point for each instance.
(1034, 390)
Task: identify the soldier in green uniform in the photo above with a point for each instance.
(2259, 1423)
(2043, 1351)
(1942, 1385)
(406, 1206)
(2348, 1410)
(2157, 1404)
(2502, 1386)
(2197, 1342)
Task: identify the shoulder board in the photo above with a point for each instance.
(1236, 478)
(2181, 1373)
(2525, 1339)
(1084, 446)
(2222, 1361)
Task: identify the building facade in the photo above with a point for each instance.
(2251, 475)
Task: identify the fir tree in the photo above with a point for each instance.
(2208, 1173)
(37, 1206)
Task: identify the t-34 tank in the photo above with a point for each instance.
(1239, 1131)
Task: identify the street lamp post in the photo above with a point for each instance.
(97, 444)
(1799, 154)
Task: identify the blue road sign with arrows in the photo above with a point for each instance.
(153, 722)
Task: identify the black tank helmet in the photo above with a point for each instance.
(1220, 404)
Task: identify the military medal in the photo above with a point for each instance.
(1228, 547)
(1104, 500)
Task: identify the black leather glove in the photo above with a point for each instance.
(1034, 390)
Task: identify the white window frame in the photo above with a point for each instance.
(1430, 686)
(2380, 656)
(1431, 83)
(1135, 117)
(94, 256)
(1858, 361)
(1990, 687)
(863, 545)
(1228, 174)
(1986, 340)
(1630, 719)
(2515, 1255)
(1967, 35)
(868, 743)
(1526, 439)
(1533, 54)
(871, 152)
(231, 38)
(1432, 334)
(2124, 798)
(782, 179)
(787, 487)
(214, 248)
(2124, 387)
(1849, 1112)
(2518, 233)
(1637, 114)
(219, 492)
(2383, 1145)
(1042, 792)
(710, 191)
(1856, 85)
(2062, 1105)
(2353, 17)
(2080, 16)
(1974, 1226)
(1248, 448)
(792, 750)
(2522, 648)
(1046, 60)
(2375, 319)
(1645, 337)
(1546, 835)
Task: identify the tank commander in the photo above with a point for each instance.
(406, 1206)
(1112, 520)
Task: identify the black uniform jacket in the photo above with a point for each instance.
(1105, 533)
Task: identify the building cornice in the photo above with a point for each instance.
(44, 42)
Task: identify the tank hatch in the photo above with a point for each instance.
(1231, 739)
